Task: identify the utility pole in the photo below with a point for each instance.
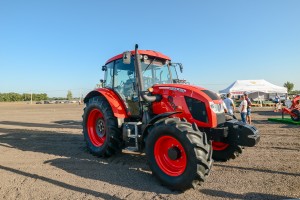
(31, 98)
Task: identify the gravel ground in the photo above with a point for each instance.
(43, 156)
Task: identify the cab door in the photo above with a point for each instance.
(124, 85)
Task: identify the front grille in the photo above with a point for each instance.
(197, 109)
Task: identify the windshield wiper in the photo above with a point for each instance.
(149, 64)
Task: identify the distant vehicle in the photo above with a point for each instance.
(61, 101)
(282, 98)
(38, 102)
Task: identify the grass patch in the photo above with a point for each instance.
(284, 120)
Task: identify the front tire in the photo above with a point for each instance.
(100, 128)
(179, 154)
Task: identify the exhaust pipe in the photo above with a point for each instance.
(140, 84)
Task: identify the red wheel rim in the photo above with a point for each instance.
(218, 146)
(172, 166)
(96, 127)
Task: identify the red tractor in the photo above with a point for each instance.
(144, 106)
(294, 109)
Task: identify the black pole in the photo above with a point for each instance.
(138, 68)
(143, 95)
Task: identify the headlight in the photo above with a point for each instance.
(217, 108)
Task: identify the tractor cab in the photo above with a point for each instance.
(120, 75)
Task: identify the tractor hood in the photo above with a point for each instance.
(196, 104)
(191, 91)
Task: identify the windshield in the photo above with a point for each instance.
(157, 72)
(121, 77)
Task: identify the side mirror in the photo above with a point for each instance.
(104, 68)
(127, 57)
(181, 67)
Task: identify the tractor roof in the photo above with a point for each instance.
(142, 52)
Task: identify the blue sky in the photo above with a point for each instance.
(58, 45)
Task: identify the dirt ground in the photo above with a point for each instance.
(43, 156)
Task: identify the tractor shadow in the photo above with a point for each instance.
(70, 123)
(56, 124)
(257, 170)
(288, 149)
(127, 169)
(59, 183)
(250, 195)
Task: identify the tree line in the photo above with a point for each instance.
(290, 87)
(12, 96)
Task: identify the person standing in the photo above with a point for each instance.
(223, 104)
(243, 109)
(277, 102)
(230, 105)
(248, 116)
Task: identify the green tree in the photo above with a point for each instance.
(289, 86)
(69, 95)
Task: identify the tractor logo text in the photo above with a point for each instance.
(177, 89)
(173, 88)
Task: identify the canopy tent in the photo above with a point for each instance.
(258, 88)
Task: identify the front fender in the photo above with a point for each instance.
(115, 102)
(155, 119)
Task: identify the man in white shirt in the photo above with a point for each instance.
(229, 105)
(243, 109)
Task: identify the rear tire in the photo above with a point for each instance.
(297, 113)
(179, 154)
(223, 152)
(100, 128)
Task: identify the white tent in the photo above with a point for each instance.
(256, 88)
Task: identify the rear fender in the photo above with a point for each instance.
(115, 102)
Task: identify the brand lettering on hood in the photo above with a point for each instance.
(174, 89)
